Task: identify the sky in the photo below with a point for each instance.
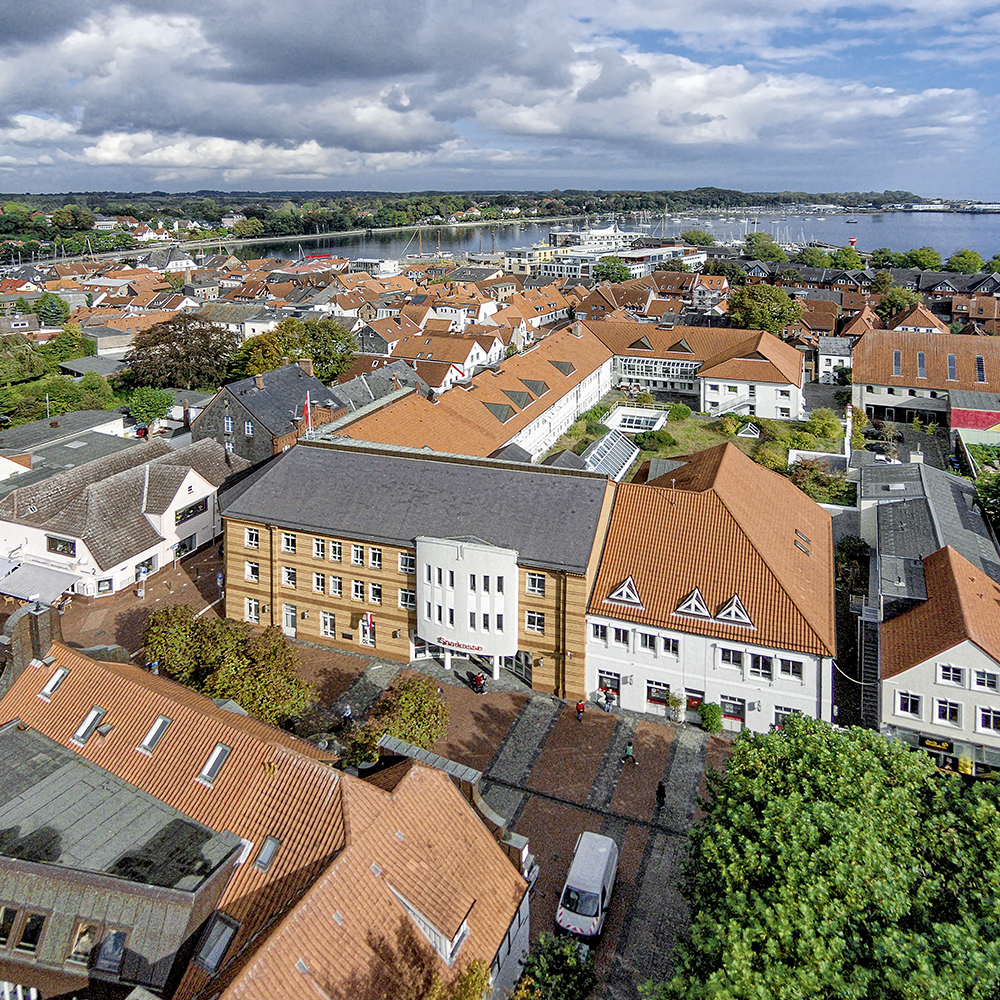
(406, 95)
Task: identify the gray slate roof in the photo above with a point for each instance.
(364, 389)
(391, 496)
(26, 437)
(80, 366)
(967, 399)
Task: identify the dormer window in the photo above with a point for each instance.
(693, 604)
(734, 612)
(625, 593)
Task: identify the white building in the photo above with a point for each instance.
(707, 594)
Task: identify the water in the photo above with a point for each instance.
(946, 232)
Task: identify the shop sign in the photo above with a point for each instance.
(939, 746)
(442, 641)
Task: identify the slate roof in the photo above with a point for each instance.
(26, 437)
(103, 502)
(702, 525)
(80, 366)
(389, 496)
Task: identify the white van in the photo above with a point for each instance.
(587, 894)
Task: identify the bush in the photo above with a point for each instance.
(711, 717)
(823, 485)
(595, 413)
(859, 417)
(802, 440)
(679, 412)
(769, 430)
(823, 423)
(644, 397)
(554, 970)
(772, 456)
(654, 440)
(596, 429)
(729, 425)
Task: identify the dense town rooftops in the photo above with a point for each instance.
(390, 496)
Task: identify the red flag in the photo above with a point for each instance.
(307, 413)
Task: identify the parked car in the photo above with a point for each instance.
(586, 896)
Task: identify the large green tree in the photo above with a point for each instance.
(762, 307)
(848, 258)
(813, 257)
(228, 659)
(884, 257)
(926, 258)
(840, 866)
(147, 404)
(762, 246)
(882, 282)
(182, 353)
(611, 269)
(331, 346)
(698, 238)
(965, 262)
(735, 274)
(896, 300)
(50, 309)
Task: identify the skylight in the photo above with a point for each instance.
(214, 763)
(155, 734)
(89, 724)
(53, 683)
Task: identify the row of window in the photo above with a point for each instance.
(230, 426)
(477, 622)
(435, 574)
(981, 680)
(322, 546)
(762, 666)
(751, 390)
(647, 641)
(948, 713)
(897, 366)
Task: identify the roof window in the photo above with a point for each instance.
(53, 683)
(267, 853)
(214, 763)
(155, 734)
(89, 724)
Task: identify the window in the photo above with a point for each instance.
(534, 621)
(8, 914)
(440, 576)
(288, 576)
(989, 718)
(909, 704)
(375, 558)
(358, 590)
(335, 551)
(327, 624)
(486, 623)
(31, 933)
(672, 647)
(499, 584)
(84, 939)
(105, 586)
(319, 583)
(733, 657)
(472, 581)
(761, 666)
(952, 675)
(427, 610)
(192, 510)
(336, 586)
(647, 641)
(89, 724)
(53, 683)
(621, 636)
(792, 668)
(287, 541)
(451, 579)
(408, 599)
(155, 734)
(266, 854)
(781, 716)
(251, 610)
(535, 584)
(732, 389)
(407, 563)
(608, 681)
(218, 937)
(229, 425)
(251, 572)
(897, 362)
(230, 447)
(712, 388)
(472, 620)
(921, 365)
(499, 623)
(213, 765)
(599, 632)
(248, 428)
(427, 567)
(357, 555)
(986, 680)
(980, 368)
(109, 958)
(375, 593)
(784, 394)
(657, 693)
(949, 712)
(60, 546)
(733, 708)
(952, 369)
(784, 412)
(251, 538)
(486, 584)
(319, 548)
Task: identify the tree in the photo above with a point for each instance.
(896, 300)
(554, 970)
(965, 262)
(228, 659)
(698, 238)
(884, 257)
(926, 258)
(50, 309)
(331, 346)
(812, 257)
(611, 269)
(824, 424)
(182, 353)
(847, 258)
(988, 495)
(993, 264)
(70, 343)
(761, 246)
(881, 283)
(839, 865)
(735, 274)
(147, 404)
(248, 228)
(763, 307)
(851, 564)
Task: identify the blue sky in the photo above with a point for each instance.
(394, 95)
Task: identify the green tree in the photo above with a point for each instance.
(248, 228)
(735, 274)
(813, 257)
(896, 300)
(881, 283)
(884, 257)
(762, 246)
(182, 353)
(19, 359)
(611, 269)
(50, 309)
(993, 264)
(68, 344)
(847, 258)
(988, 496)
(762, 307)
(926, 258)
(850, 562)
(147, 404)
(555, 970)
(965, 262)
(698, 238)
(331, 346)
(228, 659)
(840, 865)
(823, 423)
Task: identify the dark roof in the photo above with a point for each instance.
(373, 385)
(565, 460)
(80, 366)
(391, 496)
(966, 399)
(26, 437)
(279, 404)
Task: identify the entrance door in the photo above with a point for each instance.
(289, 620)
(520, 665)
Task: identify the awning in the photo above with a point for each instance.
(37, 583)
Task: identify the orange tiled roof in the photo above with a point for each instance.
(917, 315)
(706, 527)
(759, 358)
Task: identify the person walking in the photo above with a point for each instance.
(609, 700)
(629, 754)
(661, 794)
(580, 706)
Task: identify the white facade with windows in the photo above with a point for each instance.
(776, 401)
(756, 686)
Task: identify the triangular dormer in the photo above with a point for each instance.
(753, 356)
(681, 347)
(625, 593)
(642, 344)
(734, 612)
(693, 604)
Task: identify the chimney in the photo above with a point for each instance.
(306, 364)
(285, 362)
(258, 380)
